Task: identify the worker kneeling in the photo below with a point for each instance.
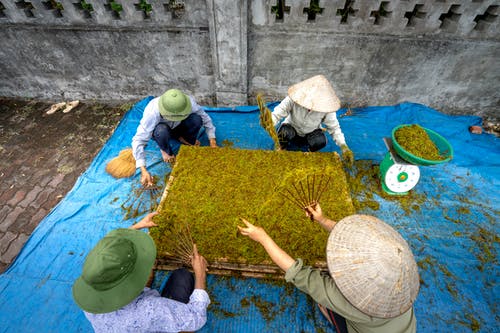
(373, 279)
(310, 104)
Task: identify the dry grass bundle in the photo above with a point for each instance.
(142, 200)
(266, 121)
(304, 187)
(122, 166)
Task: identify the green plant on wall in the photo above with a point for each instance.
(345, 12)
(211, 189)
(146, 7)
(280, 9)
(313, 9)
(115, 7)
(86, 6)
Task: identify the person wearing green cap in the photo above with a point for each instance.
(173, 115)
(113, 289)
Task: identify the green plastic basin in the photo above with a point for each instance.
(444, 147)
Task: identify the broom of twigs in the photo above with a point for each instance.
(142, 199)
(304, 188)
(266, 121)
(122, 166)
(183, 247)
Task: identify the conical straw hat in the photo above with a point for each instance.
(316, 94)
(372, 265)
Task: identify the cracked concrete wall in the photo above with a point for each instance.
(439, 53)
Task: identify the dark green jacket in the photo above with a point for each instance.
(323, 290)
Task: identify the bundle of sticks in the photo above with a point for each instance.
(143, 199)
(183, 247)
(304, 188)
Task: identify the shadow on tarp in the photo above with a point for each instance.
(453, 232)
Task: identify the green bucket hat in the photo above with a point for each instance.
(174, 105)
(115, 271)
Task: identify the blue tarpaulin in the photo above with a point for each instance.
(452, 230)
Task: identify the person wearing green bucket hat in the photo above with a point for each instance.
(113, 289)
(373, 278)
(173, 115)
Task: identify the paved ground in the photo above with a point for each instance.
(41, 157)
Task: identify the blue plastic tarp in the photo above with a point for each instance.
(453, 232)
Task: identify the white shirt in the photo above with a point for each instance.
(305, 121)
(150, 312)
(152, 117)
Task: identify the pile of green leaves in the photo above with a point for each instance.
(213, 188)
(415, 140)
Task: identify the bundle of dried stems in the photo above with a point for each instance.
(183, 249)
(306, 191)
(266, 121)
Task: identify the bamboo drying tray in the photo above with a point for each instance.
(210, 189)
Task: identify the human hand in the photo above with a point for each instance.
(257, 234)
(314, 212)
(213, 143)
(347, 156)
(198, 262)
(146, 222)
(146, 178)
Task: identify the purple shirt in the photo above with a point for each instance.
(150, 312)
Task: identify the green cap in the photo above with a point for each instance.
(174, 105)
(115, 271)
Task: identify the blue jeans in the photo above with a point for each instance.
(179, 286)
(188, 129)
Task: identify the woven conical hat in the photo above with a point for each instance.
(316, 94)
(372, 265)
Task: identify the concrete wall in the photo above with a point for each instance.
(440, 53)
(451, 64)
(102, 56)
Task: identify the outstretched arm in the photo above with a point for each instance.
(278, 256)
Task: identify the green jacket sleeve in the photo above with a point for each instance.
(323, 290)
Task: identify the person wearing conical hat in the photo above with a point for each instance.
(310, 104)
(373, 278)
(173, 115)
(114, 288)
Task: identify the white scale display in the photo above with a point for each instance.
(398, 176)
